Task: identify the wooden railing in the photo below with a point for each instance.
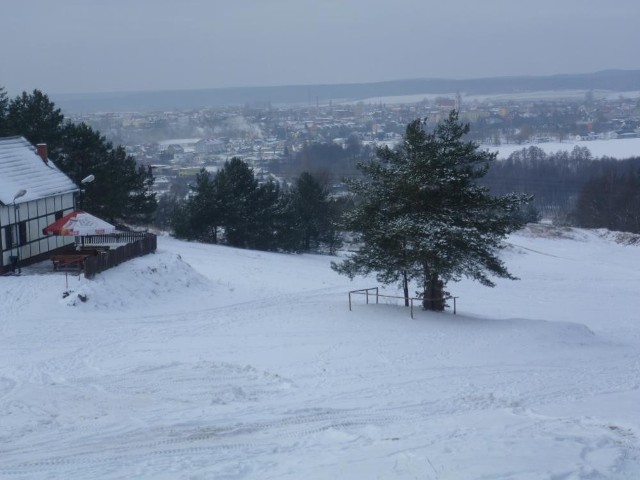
(120, 237)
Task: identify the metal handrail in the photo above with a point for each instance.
(365, 291)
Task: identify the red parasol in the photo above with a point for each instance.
(79, 223)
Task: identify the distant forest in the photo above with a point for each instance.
(573, 187)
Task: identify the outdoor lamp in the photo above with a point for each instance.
(85, 180)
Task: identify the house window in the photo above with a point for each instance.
(8, 237)
(22, 233)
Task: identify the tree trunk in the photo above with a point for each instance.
(405, 287)
(212, 234)
(433, 296)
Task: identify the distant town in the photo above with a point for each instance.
(277, 141)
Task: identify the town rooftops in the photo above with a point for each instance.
(22, 168)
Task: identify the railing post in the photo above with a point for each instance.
(377, 295)
(411, 308)
(366, 292)
(349, 301)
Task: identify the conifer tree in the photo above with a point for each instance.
(231, 207)
(421, 216)
(35, 117)
(311, 211)
(205, 214)
(235, 186)
(4, 105)
(266, 218)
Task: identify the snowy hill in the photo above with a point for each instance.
(205, 362)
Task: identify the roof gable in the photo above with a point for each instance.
(21, 168)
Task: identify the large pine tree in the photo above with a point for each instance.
(421, 216)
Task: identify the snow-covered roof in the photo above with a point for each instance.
(21, 168)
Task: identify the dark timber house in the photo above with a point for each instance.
(33, 194)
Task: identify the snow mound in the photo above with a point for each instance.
(544, 332)
(623, 238)
(141, 282)
(516, 337)
(547, 230)
(555, 232)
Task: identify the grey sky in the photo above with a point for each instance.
(65, 46)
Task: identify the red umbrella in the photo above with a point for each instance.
(79, 223)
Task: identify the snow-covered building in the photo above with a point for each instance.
(34, 193)
(210, 145)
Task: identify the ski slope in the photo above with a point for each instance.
(203, 362)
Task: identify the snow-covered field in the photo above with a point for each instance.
(575, 95)
(205, 362)
(619, 148)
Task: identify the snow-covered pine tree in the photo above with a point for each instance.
(420, 215)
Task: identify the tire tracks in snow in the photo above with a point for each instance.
(251, 438)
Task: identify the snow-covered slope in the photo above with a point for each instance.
(204, 362)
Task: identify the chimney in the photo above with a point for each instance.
(41, 149)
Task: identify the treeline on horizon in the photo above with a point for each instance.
(614, 80)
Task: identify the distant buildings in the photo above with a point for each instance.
(266, 136)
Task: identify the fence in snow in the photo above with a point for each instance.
(106, 259)
(374, 293)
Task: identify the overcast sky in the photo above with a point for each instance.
(67, 46)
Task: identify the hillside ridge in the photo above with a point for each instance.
(613, 80)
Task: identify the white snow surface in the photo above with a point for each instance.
(498, 97)
(21, 168)
(618, 148)
(206, 362)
